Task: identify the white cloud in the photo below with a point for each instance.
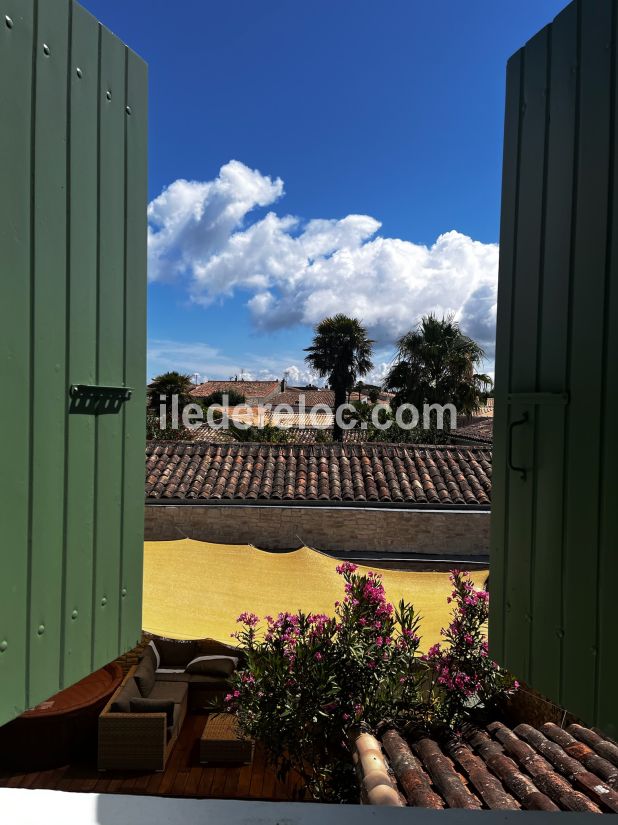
(297, 273)
(191, 221)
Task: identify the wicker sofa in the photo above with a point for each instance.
(141, 722)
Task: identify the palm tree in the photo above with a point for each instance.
(435, 364)
(341, 352)
(169, 384)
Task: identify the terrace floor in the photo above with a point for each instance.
(182, 777)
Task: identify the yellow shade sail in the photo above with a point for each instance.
(195, 589)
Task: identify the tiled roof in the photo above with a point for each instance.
(298, 421)
(212, 435)
(326, 472)
(252, 389)
(546, 769)
(323, 434)
(480, 429)
(319, 434)
(259, 416)
(312, 397)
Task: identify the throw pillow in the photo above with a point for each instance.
(220, 666)
(175, 653)
(145, 676)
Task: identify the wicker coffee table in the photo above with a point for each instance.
(221, 742)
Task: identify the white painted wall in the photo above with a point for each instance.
(26, 807)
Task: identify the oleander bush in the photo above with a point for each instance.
(311, 678)
(463, 677)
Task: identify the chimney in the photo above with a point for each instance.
(283, 385)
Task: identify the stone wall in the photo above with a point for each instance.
(344, 529)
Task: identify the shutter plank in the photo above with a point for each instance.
(49, 384)
(135, 350)
(525, 303)
(583, 453)
(546, 640)
(110, 332)
(16, 45)
(82, 332)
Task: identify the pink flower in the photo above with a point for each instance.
(346, 567)
(318, 656)
(249, 619)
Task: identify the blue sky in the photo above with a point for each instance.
(366, 142)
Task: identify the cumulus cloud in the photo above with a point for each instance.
(293, 272)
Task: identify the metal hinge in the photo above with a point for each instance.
(97, 399)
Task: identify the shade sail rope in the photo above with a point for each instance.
(195, 589)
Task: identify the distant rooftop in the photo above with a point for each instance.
(317, 429)
(292, 396)
(251, 389)
(478, 429)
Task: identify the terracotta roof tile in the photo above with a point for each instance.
(477, 428)
(297, 435)
(292, 396)
(327, 472)
(212, 435)
(546, 769)
(251, 389)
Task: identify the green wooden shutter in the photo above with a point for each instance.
(554, 521)
(72, 313)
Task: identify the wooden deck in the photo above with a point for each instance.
(183, 776)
